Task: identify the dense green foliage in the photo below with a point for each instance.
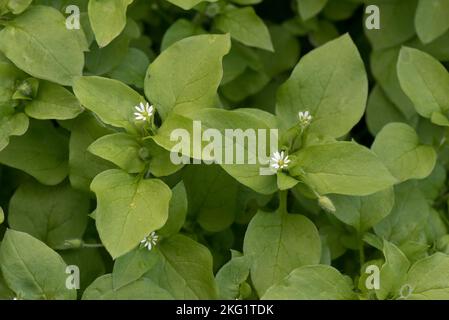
(363, 115)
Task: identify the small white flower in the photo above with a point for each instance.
(280, 160)
(150, 241)
(144, 112)
(305, 118)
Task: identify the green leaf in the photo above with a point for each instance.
(246, 84)
(121, 149)
(362, 213)
(179, 30)
(89, 261)
(435, 228)
(404, 226)
(285, 182)
(11, 125)
(424, 80)
(84, 166)
(213, 208)
(50, 214)
(278, 243)
(100, 61)
(393, 271)
(396, 23)
(2, 215)
(142, 289)
(160, 163)
(317, 282)
(432, 186)
(325, 32)
(107, 18)
(245, 26)
(41, 152)
(33, 270)
(185, 77)
(5, 292)
(310, 8)
(110, 99)
(38, 42)
(334, 93)
(222, 120)
(232, 275)
(429, 278)
(10, 76)
(438, 48)
(397, 145)
(132, 266)
(184, 269)
(53, 102)
(381, 111)
(384, 67)
(177, 211)
(128, 209)
(343, 168)
(439, 119)
(131, 69)
(188, 4)
(286, 51)
(431, 19)
(17, 6)
(337, 10)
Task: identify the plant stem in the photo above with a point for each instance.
(361, 253)
(295, 139)
(283, 201)
(92, 245)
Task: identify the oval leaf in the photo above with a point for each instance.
(278, 243)
(33, 270)
(128, 209)
(39, 43)
(329, 82)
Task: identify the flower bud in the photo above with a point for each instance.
(73, 243)
(144, 153)
(26, 90)
(326, 204)
(212, 10)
